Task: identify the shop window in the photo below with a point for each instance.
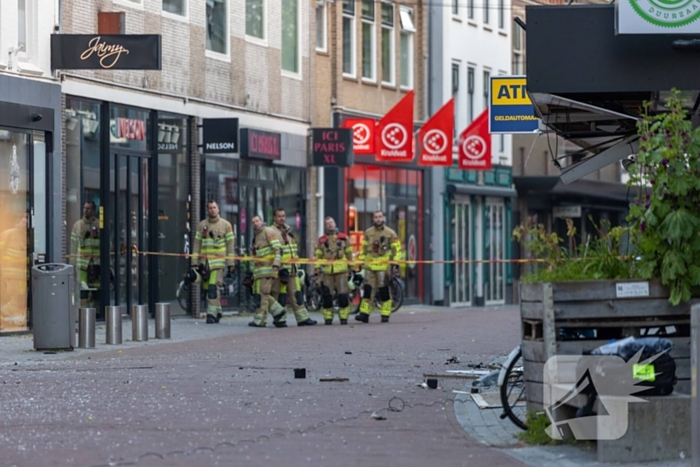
(172, 203)
(129, 128)
(217, 26)
(290, 36)
(369, 43)
(470, 9)
(388, 45)
(83, 196)
(255, 18)
(349, 45)
(15, 198)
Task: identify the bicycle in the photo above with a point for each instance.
(396, 291)
(510, 378)
(314, 295)
(229, 288)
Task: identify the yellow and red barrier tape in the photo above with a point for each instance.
(326, 262)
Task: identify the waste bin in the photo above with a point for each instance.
(53, 312)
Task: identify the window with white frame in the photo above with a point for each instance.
(290, 36)
(470, 9)
(388, 53)
(255, 18)
(349, 58)
(22, 24)
(501, 14)
(456, 96)
(470, 91)
(217, 26)
(321, 25)
(455, 7)
(502, 143)
(486, 11)
(369, 42)
(176, 7)
(487, 83)
(517, 49)
(406, 46)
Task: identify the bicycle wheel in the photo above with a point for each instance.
(396, 294)
(513, 393)
(182, 296)
(314, 299)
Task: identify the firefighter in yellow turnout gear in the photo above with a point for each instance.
(380, 247)
(214, 241)
(266, 246)
(85, 255)
(288, 273)
(334, 245)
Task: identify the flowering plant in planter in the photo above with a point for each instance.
(665, 224)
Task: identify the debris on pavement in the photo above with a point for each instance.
(452, 360)
(333, 380)
(376, 416)
(487, 380)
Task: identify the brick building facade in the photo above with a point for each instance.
(244, 59)
(368, 55)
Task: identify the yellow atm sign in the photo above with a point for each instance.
(510, 91)
(510, 108)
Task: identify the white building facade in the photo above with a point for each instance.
(470, 41)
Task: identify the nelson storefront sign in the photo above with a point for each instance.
(106, 52)
(220, 135)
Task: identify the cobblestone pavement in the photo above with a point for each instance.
(226, 395)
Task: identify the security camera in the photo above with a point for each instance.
(36, 117)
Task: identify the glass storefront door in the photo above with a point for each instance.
(460, 289)
(128, 226)
(16, 233)
(494, 251)
(398, 193)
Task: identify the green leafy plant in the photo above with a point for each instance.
(666, 222)
(535, 435)
(598, 258)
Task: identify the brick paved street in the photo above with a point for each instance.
(236, 392)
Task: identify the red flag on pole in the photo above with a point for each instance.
(475, 144)
(436, 137)
(394, 133)
(362, 134)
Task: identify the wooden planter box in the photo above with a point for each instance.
(613, 309)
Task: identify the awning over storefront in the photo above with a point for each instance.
(590, 89)
(552, 185)
(481, 190)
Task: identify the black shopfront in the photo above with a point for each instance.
(132, 164)
(30, 189)
(268, 172)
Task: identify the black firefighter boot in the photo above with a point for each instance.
(343, 321)
(362, 317)
(211, 319)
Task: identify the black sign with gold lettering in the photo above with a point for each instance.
(106, 52)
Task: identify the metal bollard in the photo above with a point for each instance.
(86, 328)
(695, 382)
(113, 322)
(139, 323)
(162, 320)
